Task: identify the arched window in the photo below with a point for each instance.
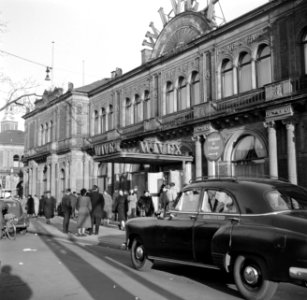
(170, 107)
(41, 137)
(195, 89)
(182, 94)
(16, 161)
(110, 118)
(227, 78)
(51, 129)
(96, 122)
(46, 133)
(249, 155)
(128, 112)
(103, 120)
(264, 75)
(146, 107)
(305, 51)
(245, 72)
(138, 111)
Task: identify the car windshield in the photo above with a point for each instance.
(287, 198)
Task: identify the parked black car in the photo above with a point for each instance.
(254, 228)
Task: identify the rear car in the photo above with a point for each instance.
(255, 229)
(14, 207)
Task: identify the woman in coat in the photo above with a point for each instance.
(30, 206)
(49, 206)
(121, 207)
(84, 207)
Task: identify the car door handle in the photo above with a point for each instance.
(193, 217)
(234, 221)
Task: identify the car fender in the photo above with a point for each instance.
(264, 242)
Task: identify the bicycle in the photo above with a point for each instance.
(9, 228)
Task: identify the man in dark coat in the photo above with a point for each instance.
(67, 209)
(49, 204)
(97, 209)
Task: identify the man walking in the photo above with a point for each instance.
(67, 209)
(97, 209)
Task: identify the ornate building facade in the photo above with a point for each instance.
(207, 100)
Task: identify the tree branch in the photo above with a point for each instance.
(17, 99)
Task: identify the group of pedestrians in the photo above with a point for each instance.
(90, 208)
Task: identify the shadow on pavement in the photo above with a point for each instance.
(12, 287)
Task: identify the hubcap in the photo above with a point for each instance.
(139, 253)
(251, 275)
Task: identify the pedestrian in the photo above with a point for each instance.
(145, 206)
(165, 200)
(36, 205)
(84, 207)
(121, 207)
(132, 200)
(41, 205)
(73, 198)
(49, 204)
(107, 208)
(173, 194)
(97, 201)
(67, 209)
(30, 206)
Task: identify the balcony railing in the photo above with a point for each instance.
(177, 119)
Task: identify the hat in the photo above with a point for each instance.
(68, 190)
(95, 187)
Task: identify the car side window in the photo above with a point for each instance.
(221, 202)
(189, 201)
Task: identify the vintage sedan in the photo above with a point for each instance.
(13, 206)
(255, 229)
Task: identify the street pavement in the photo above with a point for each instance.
(109, 235)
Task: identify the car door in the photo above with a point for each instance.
(174, 232)
(218, 208)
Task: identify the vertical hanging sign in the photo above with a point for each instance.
(214, 146)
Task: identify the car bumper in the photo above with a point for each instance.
(298, 273)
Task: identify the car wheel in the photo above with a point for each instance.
(250, 279)
(138, 256)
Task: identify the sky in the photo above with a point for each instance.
(84, 40)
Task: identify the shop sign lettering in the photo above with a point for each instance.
(214, 146)
(160, 148)
(107, 148)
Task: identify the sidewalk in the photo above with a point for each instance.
(109, 235)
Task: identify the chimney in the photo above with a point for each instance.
(146, 55)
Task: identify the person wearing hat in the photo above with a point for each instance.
(97, 201)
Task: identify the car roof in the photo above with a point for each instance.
(247, 191)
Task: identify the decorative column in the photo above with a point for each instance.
(187, 169)
(273, 163)
(235, 80)
(198, 157)
(292, 167)
(211, 169)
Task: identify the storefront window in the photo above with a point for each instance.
(182, 94)
(227, 78)
(264, 75)
(195, 89)
(245, 73)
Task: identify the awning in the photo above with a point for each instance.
(144, 158)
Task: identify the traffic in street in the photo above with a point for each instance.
(46, 264)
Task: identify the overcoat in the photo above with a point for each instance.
(49, 206)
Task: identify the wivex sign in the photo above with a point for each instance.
(160, 148)
(107, 148)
